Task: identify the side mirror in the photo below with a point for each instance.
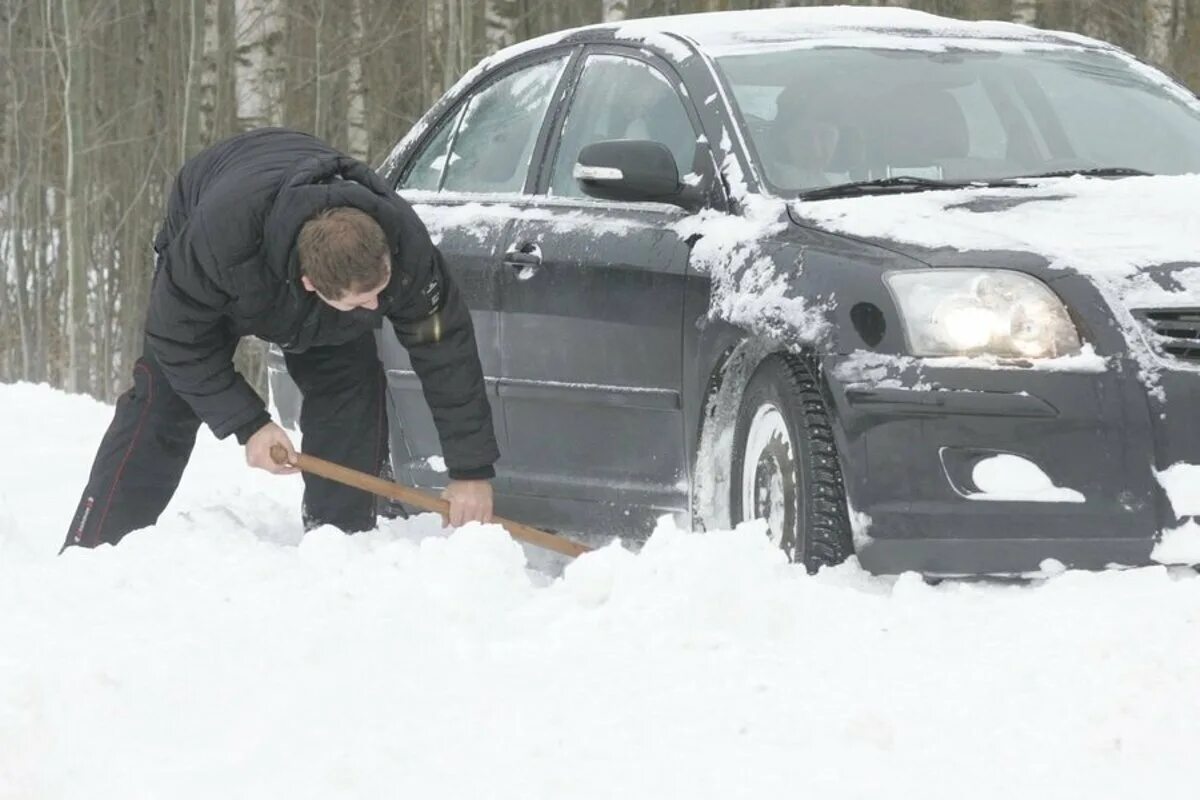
(633, 170)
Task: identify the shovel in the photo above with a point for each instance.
(421, 500)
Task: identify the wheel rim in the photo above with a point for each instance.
(769, 473)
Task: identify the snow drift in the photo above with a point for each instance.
(222, 654)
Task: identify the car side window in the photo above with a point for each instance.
(621, 98)
(499, 129)
(426, 171)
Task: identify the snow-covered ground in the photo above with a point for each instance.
(219, 655)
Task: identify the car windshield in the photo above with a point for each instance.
(820, 117)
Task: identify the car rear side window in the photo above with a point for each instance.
(621, 98)
(494, 142)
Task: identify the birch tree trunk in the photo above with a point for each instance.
(1095, 19)
(259, 26)
(1160, 20)
(209, 59)
(449, 43)
(500, 23)
(73, 246)
(1024, 12)
(466, 49)
(193, 29)
(226, 99)
(424, 25)
(319, 77)
(357, 133)
(613, 10)
(41, 368)
(17, 222)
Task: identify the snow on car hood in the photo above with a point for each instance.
(1112, 230)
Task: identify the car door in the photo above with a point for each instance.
(591, 298)
(462, 180)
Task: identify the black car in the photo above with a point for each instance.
(705, 263)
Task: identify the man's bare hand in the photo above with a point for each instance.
(470, 501)
(258, 450)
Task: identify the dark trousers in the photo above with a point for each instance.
(142, 456)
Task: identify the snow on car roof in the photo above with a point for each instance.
(863, 25)
(844, 25)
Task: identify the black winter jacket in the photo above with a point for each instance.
(228, 267)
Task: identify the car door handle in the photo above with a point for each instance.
(524, 256)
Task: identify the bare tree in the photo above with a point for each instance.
(15, 222)
(613, 10)
(1160, 23)
(358, 135)
(500, 23)
(192, 23)
(1025, 12)
(101, 102)
(70, 55)
(259, 37)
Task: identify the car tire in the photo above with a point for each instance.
(785, 464)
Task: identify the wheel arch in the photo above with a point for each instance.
(727, 378)
(730, 378)
(728, 375)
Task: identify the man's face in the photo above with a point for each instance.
(367, 299)
(811, 144)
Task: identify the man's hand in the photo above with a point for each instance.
(470, 501)
(258, 450)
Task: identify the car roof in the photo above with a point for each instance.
(843, 23)
(847, 26)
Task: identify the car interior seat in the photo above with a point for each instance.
(918, 126)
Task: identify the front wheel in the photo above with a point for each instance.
(785, 465)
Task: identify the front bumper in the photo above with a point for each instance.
(910, 434)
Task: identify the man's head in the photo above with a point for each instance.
(344, 258)
(805, 127)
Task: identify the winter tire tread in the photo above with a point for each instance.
(825, 529)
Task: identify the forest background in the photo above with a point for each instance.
(101, 101)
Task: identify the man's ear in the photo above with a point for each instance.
(308, 286)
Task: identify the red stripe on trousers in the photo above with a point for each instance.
(137, 432)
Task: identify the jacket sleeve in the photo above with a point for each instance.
(433, 323)
(188, 334)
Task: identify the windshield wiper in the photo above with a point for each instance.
(911, 183)
(899, 183)
(1091, 172)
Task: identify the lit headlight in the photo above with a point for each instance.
(963, 312)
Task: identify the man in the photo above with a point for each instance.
(277, 235)
(805, 138)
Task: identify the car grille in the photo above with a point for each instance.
(1176, 331)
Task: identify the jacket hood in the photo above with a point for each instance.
(318, 183)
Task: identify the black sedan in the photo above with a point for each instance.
(814, 267)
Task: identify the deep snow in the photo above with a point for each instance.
(219, 655)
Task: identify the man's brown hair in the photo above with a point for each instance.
(343, 250)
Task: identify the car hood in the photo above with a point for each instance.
(1138, 235)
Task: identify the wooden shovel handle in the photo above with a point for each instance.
(420, 499)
